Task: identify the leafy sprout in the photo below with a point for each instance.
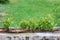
(24, 24)
(46, 23)
(7, 22)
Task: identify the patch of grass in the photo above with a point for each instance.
(31, 8)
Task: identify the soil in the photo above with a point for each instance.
(25, 31)
(2, 30)
(16, 31)
(29, 31)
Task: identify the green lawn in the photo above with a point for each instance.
(22, 9)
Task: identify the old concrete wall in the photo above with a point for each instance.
(29, 36)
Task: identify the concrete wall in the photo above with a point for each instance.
(4, 36)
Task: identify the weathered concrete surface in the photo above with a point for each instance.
(29, 36)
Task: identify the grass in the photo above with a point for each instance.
(21, 9)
